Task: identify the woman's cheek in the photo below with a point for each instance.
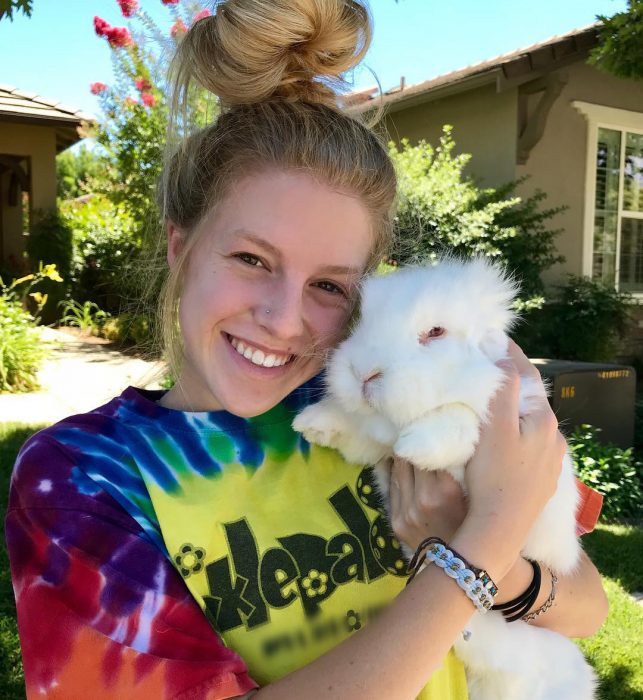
(329, 323)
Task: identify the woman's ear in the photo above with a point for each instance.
(175, 240)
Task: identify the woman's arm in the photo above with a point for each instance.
(580, 605)
(510, 478)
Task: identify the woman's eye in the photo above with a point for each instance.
(331, 287)
(250, 259)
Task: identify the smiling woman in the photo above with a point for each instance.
(191, 543)
(269, 307)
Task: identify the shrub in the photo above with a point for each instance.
(584, 321)
(611, 470)
(21, 351)
(87, 317)
(105, 247)
(440, 210)
(50, 241)
(129, 329)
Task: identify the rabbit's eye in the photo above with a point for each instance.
(427, 336)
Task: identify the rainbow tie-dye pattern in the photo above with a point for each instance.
(157, 553)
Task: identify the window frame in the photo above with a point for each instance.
(622, 120)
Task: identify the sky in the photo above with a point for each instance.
(56, 54)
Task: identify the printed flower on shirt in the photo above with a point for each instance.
(353, 621)
(189, 559)
(315, 583)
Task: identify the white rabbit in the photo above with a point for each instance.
(415, 379)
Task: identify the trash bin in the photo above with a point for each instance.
(602, 395)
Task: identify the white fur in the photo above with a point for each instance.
(425, 403)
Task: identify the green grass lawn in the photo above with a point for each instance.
(617, 550)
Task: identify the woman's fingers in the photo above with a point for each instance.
(404, 475)
(423, 503)
(521, 361)
(503, 407)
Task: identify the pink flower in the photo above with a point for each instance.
(142, 84)
(97, 88)
(101, 27)
(128, 7)
(148, 99)
(170, 2)
(178, 28)
(118, 37)
(130, 102)
(200, 15)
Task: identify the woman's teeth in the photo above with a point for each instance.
(258, 357)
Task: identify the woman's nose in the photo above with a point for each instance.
(282, 312)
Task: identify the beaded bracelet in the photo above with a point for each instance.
(476, 583)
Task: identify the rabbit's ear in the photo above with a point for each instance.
(494, 344)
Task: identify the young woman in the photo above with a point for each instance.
(188, 543)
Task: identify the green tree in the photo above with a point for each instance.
(7, 8)
(77, 172)
(620, 48)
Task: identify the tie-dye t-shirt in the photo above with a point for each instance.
(164, 554)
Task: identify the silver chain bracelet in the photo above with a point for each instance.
(547, 604)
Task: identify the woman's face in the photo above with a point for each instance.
(268, 287)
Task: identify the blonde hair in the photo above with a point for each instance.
(275, 66)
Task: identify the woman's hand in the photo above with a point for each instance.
(513, 472)
(424, 503)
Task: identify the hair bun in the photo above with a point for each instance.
(253, 50)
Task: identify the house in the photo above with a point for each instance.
(33, 130)
(577, 132)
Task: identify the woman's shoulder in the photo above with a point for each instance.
(84, 463)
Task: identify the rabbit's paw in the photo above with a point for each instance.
(445, 439)
(321, 424)
(420, 448)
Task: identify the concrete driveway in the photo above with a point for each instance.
(80, 374)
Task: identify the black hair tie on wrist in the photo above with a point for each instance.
(514, 609)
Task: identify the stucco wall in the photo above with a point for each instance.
(39, 144)
(484, 122)
(557, 164)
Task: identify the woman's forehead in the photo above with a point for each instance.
(291, 212)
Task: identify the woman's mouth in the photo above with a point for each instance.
(256, 356)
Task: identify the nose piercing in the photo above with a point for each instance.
(267, 311)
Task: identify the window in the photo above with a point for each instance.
(613, 243)
(618, 209)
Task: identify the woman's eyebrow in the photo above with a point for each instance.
(262, 243)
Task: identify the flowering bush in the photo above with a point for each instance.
(133, 133)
